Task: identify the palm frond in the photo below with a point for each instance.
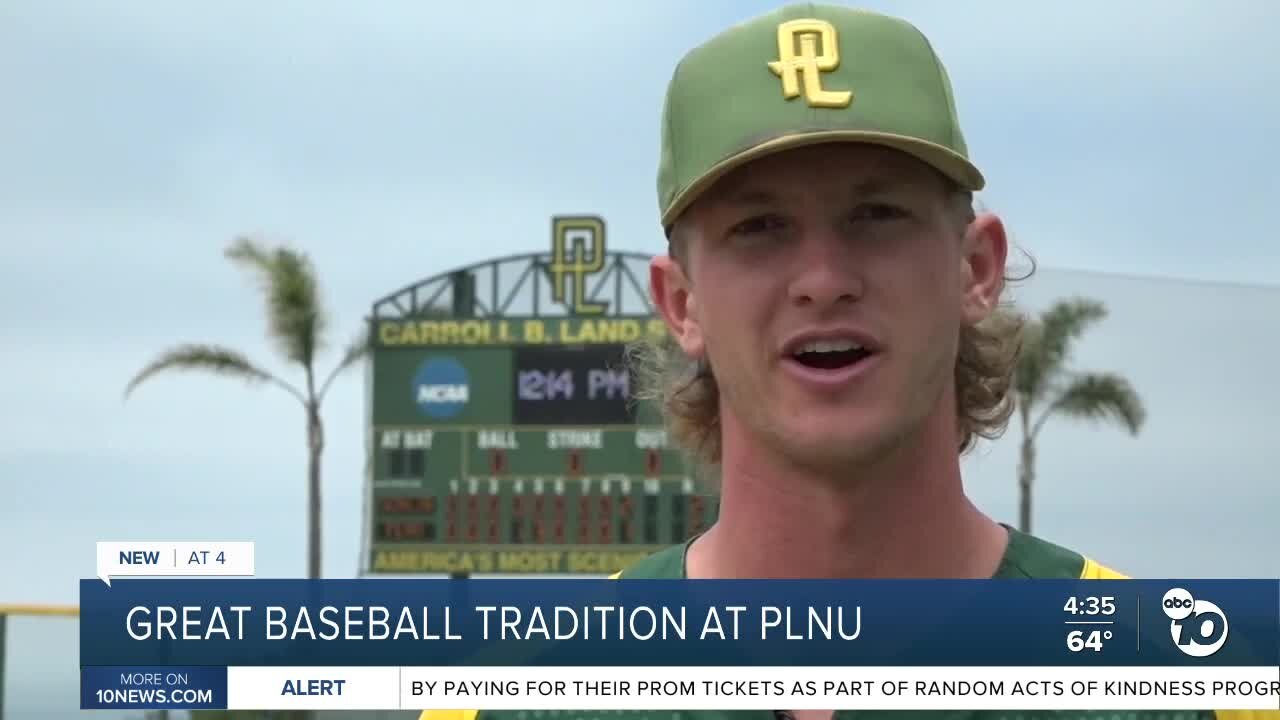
(295, 317)
(246, 251)
(1100, 397)
(1029, 376)
(211, 359)
(1047, 344)
(356, 350)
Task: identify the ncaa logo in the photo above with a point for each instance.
(441, 388)
(1199, 627)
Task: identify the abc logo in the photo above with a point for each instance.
(1199, 627)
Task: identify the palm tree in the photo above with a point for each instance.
(297, 325)
(1046, 386)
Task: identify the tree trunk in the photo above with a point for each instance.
(1026, 476)
(315, 449)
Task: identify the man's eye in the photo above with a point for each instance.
(758, 224)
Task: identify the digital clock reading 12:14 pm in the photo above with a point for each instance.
(572, 386)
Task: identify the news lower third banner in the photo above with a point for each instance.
(571, 644)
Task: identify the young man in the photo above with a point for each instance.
(835, 301)
(835, 306)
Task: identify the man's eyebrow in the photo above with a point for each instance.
(876, 186)
(756, 197)
(750, 197)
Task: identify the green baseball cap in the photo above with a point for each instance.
(800, 75)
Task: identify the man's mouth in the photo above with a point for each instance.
(829, 354)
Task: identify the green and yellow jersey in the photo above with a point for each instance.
(1026, 557)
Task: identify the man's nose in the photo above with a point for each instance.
(824, 271)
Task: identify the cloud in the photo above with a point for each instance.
(1180, 46)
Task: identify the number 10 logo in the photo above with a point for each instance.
(1199, 627)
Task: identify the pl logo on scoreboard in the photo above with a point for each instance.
(441, 387)
(577, 250)
(1199, 627)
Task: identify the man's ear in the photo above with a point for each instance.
(985, 251)
(672, 295)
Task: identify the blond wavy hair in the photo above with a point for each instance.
(686, 392)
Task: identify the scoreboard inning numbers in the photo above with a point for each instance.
(512, 444)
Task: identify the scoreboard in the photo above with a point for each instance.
(504, 434)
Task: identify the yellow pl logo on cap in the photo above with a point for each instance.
(818, 52)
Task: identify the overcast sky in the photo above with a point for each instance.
(1122, 143)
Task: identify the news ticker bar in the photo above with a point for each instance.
(681, 688)
(219, 622)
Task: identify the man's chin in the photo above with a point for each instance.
(839, 450)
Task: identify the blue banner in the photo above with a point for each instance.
(153, 688)
(480, 622)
